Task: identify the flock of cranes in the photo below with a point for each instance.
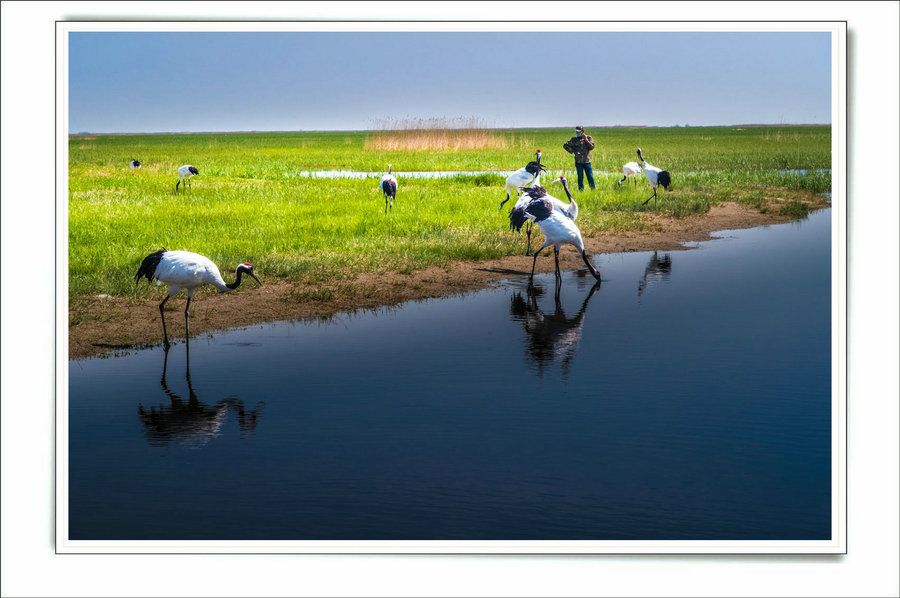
(185, 270)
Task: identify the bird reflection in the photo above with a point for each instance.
(658, 268)
(551, 337)
(193, 422)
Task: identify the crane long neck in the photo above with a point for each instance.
(566, 189)
(237, 282)
(573, 207)
(594, 272)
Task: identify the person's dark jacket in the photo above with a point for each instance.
(581, 147)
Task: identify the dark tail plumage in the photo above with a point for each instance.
(389, 188)
(148, 266)
(517, 218)
(665, 180)
(540, 209)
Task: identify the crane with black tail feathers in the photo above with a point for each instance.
(518, 216)
(389, 188)
(186, 270)
(655, 176)
(558, 230)
(186, 172)
(529, 175)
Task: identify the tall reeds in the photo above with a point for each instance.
(434, 134)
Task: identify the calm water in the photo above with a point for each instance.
(687, 397)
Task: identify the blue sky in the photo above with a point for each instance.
(236, 81)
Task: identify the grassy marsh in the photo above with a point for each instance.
(248, 204)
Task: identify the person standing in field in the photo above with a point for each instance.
(581, 145)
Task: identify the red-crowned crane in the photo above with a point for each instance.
(186, 172)
(518, 216)
(524, 177)
(632, 169)
(558, 230)
(134, 163)
(655, 176)
(186, 270)
(389, 188)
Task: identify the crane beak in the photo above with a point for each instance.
(255, 278)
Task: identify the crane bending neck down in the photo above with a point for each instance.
(188, 271)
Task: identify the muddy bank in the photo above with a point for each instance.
(112, 324)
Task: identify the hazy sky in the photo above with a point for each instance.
(236, 81)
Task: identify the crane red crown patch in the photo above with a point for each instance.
(246, 264)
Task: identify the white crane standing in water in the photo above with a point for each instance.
(389, 188)
(528, 175)
(558, 229)
(186, 270)
(186, 172)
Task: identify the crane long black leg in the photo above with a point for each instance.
(187, 332)
(162, 315)
(528, 232)
(534, 262)
(653, 197)
(556, 255)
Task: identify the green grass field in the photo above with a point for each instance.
(248, 204)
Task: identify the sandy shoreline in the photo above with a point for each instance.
(116, 324)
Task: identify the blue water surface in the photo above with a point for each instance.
(687, 397)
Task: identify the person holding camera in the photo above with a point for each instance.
(581, 145)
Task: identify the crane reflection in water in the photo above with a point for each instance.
(551, 337)
(658, 270)
(192, 422)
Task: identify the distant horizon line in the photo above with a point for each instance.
(685, 126)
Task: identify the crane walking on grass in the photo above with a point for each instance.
(186, 270)
(134, 163)
(389, 188)
(655, 176)
(524, 177)
(186, 172)
(518, 216)
(558, 229)
(632, 169)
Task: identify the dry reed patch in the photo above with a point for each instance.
(434, 134)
